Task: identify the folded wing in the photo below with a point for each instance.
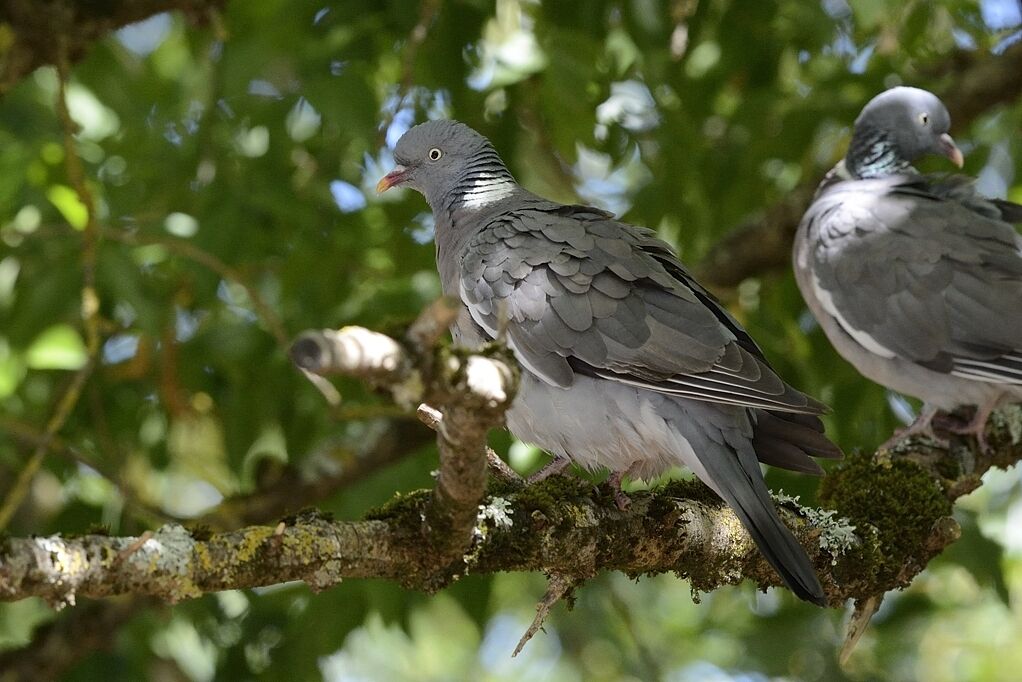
(579, 293)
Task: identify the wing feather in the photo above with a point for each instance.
(588, 295)
(924, 268)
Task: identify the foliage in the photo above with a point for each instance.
(232, 165)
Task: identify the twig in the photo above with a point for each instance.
(861, 615)
(558, 587)
(126, 553)
(20, 488)
(33, 26)
(498, 467)
(432, 324)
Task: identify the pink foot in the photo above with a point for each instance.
(620, 498)
(555, 467)
(922, 426)
(977, 426)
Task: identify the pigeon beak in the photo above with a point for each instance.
(392, 179)
(949, 149)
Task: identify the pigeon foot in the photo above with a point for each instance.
(977, 426)
(621, 498)
(555, 467)
(922, 426)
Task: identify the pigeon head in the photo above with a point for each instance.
(897, 127)
(451, 165)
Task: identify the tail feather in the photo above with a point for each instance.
(736, 477)
(790, 441)
(778, 453)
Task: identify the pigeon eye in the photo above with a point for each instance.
(434, 154)
(924, 119)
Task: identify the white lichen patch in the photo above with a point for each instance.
(837, 535)
(172, 544)
(68, 566)
(65, 560)
(167, 559)
(498, 511)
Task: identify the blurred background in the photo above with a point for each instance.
(232, 156)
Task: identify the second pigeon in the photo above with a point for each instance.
(916, 279)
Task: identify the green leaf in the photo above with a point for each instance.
(57, 347)
(70, 206)
(12, 371)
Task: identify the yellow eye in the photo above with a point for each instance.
(435, 154)
(924, 119)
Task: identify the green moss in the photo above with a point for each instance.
(308, 515)
(98, 529)
(547, 496)
(898, 500)
(201, 532)
(690, 489)
(401, 505)
(949, 466)
(498, 487)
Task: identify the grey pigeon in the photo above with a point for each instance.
(627, 362)
(916, 279)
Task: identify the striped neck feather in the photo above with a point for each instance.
(486, 180)
(873, 155)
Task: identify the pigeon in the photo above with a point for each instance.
(627, 362)
(916, 279)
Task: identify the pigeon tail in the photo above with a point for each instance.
(790, 441)
(736, 477)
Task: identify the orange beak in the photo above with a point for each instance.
(392, 179)
(949, 149)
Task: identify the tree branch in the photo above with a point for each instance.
(899, 503)
(889, 512)
(39, 29)
(471, 391)
(975, 82)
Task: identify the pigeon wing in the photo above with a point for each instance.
(579, 293)
(923, 270)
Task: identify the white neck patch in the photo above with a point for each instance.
(486, 190)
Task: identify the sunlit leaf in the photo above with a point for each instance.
(69, 204)
(58, 347)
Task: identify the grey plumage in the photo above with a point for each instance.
(628, 363)
(916, 279)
